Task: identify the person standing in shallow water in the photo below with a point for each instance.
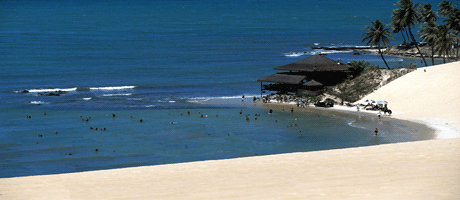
(376, 131)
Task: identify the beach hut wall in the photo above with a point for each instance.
(284, 79)
(315, 63)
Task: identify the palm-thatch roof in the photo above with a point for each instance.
(315, 63)
(283, 78)
(313, 83)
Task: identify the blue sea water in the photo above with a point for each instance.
(156, 60)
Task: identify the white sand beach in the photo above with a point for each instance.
(430, 95)
(412, 170)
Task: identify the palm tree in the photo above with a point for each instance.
(378, 35)
(452, 21)
(397, 27)
(428, 33)
(427, 14)
(406, 15)
(445, 8)
(428, 17)
(444, 39)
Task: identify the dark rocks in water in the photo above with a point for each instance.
(24, 91)
(53, 94)
(324, 104)
(56, 93)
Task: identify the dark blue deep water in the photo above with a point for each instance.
(156, 60)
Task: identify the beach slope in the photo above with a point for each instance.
(430, 95)
(413, 170)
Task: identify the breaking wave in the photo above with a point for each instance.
(112, 95)
(113, 88)
(48, 90)
(315, 52)
(37, 102)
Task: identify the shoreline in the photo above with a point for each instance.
(415, 97)
(389, 51)
(407, 170)
(443, 129)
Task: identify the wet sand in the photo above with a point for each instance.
(413, 170)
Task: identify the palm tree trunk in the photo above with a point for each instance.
(448, 54)
(416, 46)
(381, 54)
(407, 34)
(402, 33)
(444, 58)
(457, 47)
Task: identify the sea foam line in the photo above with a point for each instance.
(315, 52)
(249, 96)
(111, 95)
(52, 90)
(113, 88)
(37, 102)
(355, 126)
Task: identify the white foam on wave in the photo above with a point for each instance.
(112, 95)
(355, 126)
(315, 52)
(166, 101)
(196, 99)
(112, 88)
(87, 99)
(135, 99)
(320, 51)
(53, 90)
(444, 128)
(295, 54)
(363, 46)
(37, 102)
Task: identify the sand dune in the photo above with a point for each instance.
(414, 170)
(430, 94)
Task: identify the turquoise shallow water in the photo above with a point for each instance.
(149, 59)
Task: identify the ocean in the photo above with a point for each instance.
(158, 60)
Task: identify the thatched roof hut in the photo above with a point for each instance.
(315, 63)
(312, 83)
(283, 78)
